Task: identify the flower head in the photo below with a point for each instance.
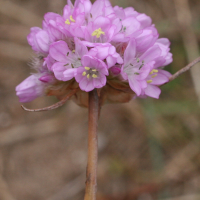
(89, 46)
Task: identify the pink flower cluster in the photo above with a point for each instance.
(94, 43)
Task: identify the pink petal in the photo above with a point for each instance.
(102, 52)
(164, 41)
(79, 75)
(168, 59)
(86, 61)
(164, 72)
(135, 85)
(119, 12)
(130, 12)
(112, 50)
(110, 33)
(58, 69)
(131, 24)
(146, 39)
(100, 81)
(43, 40)
(30, 89)
(159, 79)
(58, 51)
(81, 49)
(153, 91)
(50, 16)
(66, 12)
(111, 61)
(129, 54)
(86, 84)
(69, 73)
(144, 20)
(120, 60)
(102, 22)
(151, 54)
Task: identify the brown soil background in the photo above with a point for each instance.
(148, 149)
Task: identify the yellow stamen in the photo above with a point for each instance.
(98, 33)
(88, 76)
(154, 71)
(84, 73)
(67, 22)
(73, 51)
(94, 70)
(87, 68)
(149, 81)
(71, 18)
(154, 75)
(94, 75)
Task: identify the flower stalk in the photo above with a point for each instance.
(184, 69)
(91, 174)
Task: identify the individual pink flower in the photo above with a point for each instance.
(73, 19)
(30, 89)
(92, 74)
(101, 30)
(108, 52)
(145, 21)
(146, 39)
(84, 6)
(115, 70)
(54, 24)
(67, 61)
(127, 28)
(39, 40)
(47, 78)
(166, 56)
(101, 8)
(129, 23)
(137, 68)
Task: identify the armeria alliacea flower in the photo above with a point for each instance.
(92, 74)
(97, 46)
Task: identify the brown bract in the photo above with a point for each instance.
(115, 91)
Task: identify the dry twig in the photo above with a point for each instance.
(54, 106)
(188, 67)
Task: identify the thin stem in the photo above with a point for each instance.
(54, 106)
(91, 175)
(188, 67)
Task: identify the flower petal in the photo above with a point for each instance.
(58, 51)
(81, 49)
(135, 85)
(153, 91)
(130, 52)
(58, 68)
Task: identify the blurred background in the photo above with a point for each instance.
(148, 149)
